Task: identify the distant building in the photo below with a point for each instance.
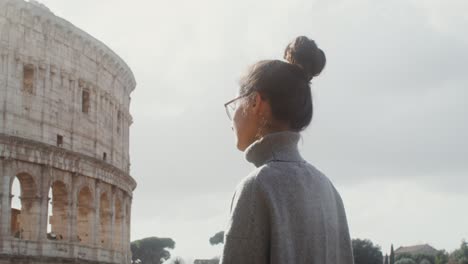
(417, 249)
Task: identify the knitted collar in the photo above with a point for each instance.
(279, 146)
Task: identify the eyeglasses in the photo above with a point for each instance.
(232, 105)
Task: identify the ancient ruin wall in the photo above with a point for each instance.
(64, 135)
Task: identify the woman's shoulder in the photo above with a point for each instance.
(278, 174)
(263, 177)
(255, 177)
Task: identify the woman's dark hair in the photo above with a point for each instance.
(286, 85)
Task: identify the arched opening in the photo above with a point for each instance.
(24, 207)
(58, 212)
(84, 216)
(105, 218)
(118, 225)
(15, 207)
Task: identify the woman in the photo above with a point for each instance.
(285, 211)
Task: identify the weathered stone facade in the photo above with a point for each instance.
(64, 131)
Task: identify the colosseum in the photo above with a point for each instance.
(64, 141)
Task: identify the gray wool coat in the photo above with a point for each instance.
(285, 211)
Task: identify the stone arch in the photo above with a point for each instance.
(85, 216)
(118, 224)
(105, 221)
(24, 221)
(60, 207)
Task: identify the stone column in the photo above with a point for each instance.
(112, 216)
(44, 72)
(95, 225)
(4, 92)
(126, 228)
(2, 195)
(73, 200)
(44, 199)
(74, 91)
(68, 216)
(129, 224)
(5, 178)
(123, 239)
(30, 217)
(69, 207)
(5, 199)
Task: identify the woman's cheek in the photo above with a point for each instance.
(237, 121)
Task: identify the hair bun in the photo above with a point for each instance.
(304, 53)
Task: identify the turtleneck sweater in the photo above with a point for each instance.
(285, 211)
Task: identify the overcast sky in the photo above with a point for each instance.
(390, 121)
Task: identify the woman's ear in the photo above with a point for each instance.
(256, 99)
(257, 104)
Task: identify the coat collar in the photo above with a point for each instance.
(279, 146)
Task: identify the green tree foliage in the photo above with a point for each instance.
(418, 258)
(403, 255)
(460, 256)
(365, 252)
(152, 250)
(442, 257)
(218, 238)
(392, 255)
(425, 261)
(386, 259)
(406, 261)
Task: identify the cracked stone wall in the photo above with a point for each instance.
(64, 135)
